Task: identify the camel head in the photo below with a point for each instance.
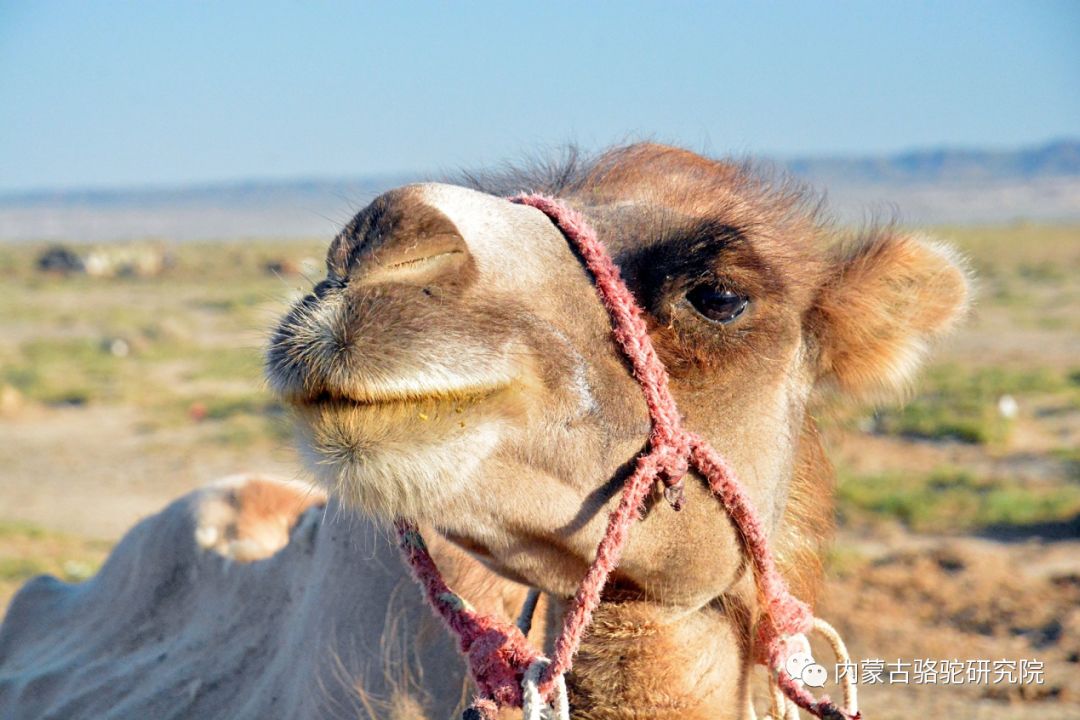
(456, 367)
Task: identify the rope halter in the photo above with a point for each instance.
(507, 671)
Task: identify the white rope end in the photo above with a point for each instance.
(533, 706)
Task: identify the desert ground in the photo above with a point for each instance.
(958, 512)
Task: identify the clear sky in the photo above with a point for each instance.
(97, 94)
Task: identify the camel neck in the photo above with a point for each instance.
(640, 659)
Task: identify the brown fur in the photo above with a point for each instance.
(638, 660)
(887, 296)
(457, 368)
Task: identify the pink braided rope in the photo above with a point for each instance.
(497, 652)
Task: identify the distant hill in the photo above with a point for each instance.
(921, 187)
(238, 192)
(1060, 159)
(951, 186)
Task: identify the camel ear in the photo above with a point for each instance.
(887, 297)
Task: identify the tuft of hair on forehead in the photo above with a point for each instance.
(657, 174)
(556, 174)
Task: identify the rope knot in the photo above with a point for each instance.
(783, 629)
(481, 709)
(671, 456)
(499, 657)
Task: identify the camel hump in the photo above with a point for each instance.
(252, 597)
(189, 599)
(249, 517)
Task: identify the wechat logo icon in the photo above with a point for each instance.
(801, 667)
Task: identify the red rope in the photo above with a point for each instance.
(497, 652)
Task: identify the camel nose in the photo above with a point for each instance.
(400, 239)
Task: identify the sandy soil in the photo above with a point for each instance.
(967, 599)
(96, 471)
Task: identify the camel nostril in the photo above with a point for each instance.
(401, 238)
(330, 283)
(418, 262)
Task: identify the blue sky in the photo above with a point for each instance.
(148, 93)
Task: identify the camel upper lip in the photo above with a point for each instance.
(297, 380)
(375, 397)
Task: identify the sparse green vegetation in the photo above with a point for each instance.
(19, 569)
(958, 403)
(27, 550)
(1070, 458)
(843, 560)
(952, 500)
(162, 344)
(230, 364)
(69, 371)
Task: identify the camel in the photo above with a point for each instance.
(456, 368)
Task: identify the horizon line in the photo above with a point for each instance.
(284, 180)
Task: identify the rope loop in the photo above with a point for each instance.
(840, 652)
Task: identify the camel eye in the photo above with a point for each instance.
(718, 305)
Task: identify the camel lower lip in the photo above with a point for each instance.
(330, 399)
